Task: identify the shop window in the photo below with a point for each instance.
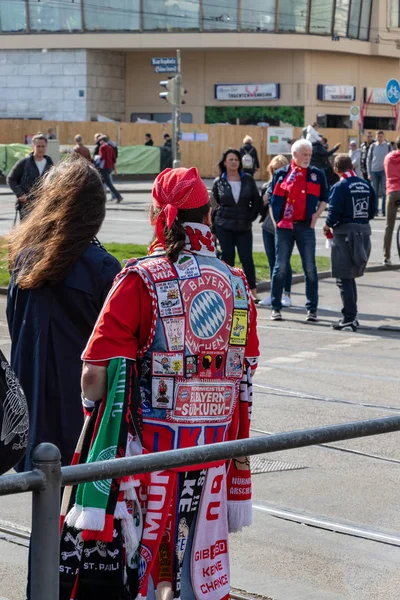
(394, 16)
(12, 16)
(112, 15)
(354, 18)
(341, 17)
(161, 117)
(166, 15)
(220, 15)
(376, 123)
(365, 19)
(321, 17)
(292, 15)
(53, 15)
(257, 15)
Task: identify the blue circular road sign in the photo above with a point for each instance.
(393, 91)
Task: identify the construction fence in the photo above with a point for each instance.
(203, 146)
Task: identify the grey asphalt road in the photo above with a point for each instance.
(309, 375)
(129, 223)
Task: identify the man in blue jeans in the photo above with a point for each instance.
(297, 197)
(376, 170)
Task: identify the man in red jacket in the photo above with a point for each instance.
(392, 170)
(107, 166)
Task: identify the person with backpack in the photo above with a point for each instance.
(249, 156)
(376, 171)
(27, 172)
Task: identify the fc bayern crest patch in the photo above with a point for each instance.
(209, 306)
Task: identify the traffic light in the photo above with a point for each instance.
(171, 95)
(173, 85)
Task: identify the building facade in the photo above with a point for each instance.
(248, 60)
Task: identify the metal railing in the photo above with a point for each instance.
(47, 478)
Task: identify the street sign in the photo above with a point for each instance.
(165, 69)
(354, 113)
(393, 91)
(165, 65)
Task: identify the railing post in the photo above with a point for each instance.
(45, 539)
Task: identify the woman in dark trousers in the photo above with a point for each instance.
(60, 278)
(268, 232)
(238, 202)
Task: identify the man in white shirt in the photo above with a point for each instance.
(26, 172)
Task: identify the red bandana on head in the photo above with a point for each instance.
(176, 189)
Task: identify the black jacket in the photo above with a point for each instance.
(249, 149)
(320, 156)
(364, 153)
(232, 216)
(25, 174)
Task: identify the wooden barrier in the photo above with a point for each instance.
(205, 155)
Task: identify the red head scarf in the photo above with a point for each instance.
(176, 189)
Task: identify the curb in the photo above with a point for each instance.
(265, 286)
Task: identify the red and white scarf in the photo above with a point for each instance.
(348, 174)
(292, 186)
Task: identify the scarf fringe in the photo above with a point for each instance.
(239, 515)
(73, 515)
(121, 512)
(91, 518)
(131, 539)
(106, 535)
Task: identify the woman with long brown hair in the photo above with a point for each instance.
(60, 278)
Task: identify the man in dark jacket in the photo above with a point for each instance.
(297, 197)
(320, 155)
(27, 172)
(249, 156)
(352, 204)
(364, 153)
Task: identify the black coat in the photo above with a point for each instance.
(25, 174)
(236, 216)
(320, 156)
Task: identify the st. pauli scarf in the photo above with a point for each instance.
(292, 186)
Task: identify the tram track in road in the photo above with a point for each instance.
(15, 534)
(288, 393)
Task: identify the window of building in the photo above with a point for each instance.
(12, 16)
(222, 14)
(161, 117)
(258, 15)
(292, 15)
(321, 16)
(341, 17)
(166, 15)
(114, 15)
(365, 19)
(354, 19)
(53, 15)
(376, 123)
(394, 15)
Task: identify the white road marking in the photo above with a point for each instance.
(306, 355)
(284, 359)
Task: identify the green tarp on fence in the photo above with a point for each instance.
(10, 154)
(132, 160)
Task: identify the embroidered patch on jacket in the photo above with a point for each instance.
(234, 362)
(211, 364)
(162, 392)
(187, 266)
(169, 298)
(191, 365)
(201, 399)
(238, 335)
(174, 329)
(160, 269)
(239, 293)
(167, 364)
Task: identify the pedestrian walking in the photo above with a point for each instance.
(376, 171)
(238, 202)
(148, 140)
(173, 351)
(27, 172)
(268, 232)
(355, 155)
(369, 139)
(351, 207)
(297, 197)
(80, 149)
(107, 164)
(249, 155)
(392, 172)
(167, 141)
(60, 278)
